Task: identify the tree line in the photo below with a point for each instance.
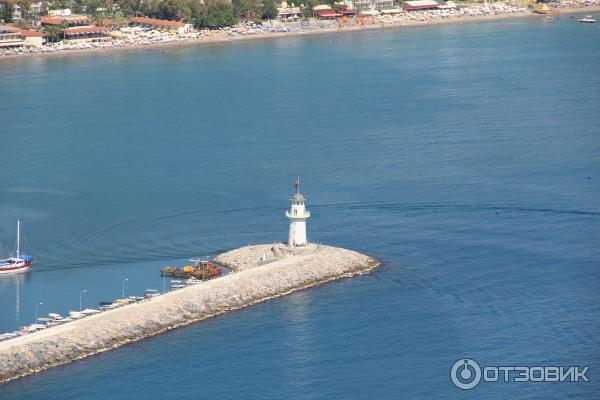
(203, 14)
(210, 13)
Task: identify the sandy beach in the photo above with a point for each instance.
(324, 28)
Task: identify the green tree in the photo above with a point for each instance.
(44, 10)
(269, 9)
(216, 15)
(26, 8)
(247, 9)
(307, 10)
(168, 9)
(118, 18)
(53, 32)
(130, 7)
(7, 12)
(61, 5)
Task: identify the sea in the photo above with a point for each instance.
(465, 157)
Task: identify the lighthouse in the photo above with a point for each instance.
(297, 214)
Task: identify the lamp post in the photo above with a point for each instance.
(36, 311)
(81, 297)
(125, 280)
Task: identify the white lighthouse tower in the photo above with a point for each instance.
(297, 215)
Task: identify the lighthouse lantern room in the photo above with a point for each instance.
(297, 215)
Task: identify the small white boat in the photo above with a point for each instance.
(152, 293)
(76, 315)
(123, 302)
(587, 20)
(136, 298)
(177, 284)
(55, 316)
(193, 281)
(55, 322)
(33, 327)
(90, 311)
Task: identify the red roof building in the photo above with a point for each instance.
(71, 21)
(87, 33)
(153, 23)
(26, 33)
(329, 14)
(15, 37)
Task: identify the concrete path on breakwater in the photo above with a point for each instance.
(262, 272)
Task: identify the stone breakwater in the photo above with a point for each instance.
(250, 284)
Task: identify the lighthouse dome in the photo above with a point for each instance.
(298, 197)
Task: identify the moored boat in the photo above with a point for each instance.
(201, 270)
(151, 293)
(587, 20)
(177, 284)
(20, 263)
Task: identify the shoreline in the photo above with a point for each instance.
(324, 31)
(62, 344)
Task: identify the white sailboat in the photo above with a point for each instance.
(20, 263)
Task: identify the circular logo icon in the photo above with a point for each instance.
(465, 374)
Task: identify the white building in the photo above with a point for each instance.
(297, 216)
(162, 24)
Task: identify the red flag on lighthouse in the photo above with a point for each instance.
(297, 183)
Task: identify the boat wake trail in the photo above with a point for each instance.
(439, 207)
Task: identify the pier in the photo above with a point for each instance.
(250, 284)
(259, 273)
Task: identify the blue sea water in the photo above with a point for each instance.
(465, 157)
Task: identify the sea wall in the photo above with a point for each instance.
(250, 284)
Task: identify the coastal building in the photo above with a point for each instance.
(37, 7)
(420, 5)
(10, 37)
(297, 215)
(161, 24)
(16, 15)
(91, 33)
(33, 38)
(289, 13)
(364, 5)
(327, 14)
(71, 20)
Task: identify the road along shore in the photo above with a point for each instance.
(260, 273)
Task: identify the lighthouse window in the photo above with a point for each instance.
(295, 212)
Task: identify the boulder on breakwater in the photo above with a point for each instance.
(261, 272)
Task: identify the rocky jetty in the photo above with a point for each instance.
(259, 273)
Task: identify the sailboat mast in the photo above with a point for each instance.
(18, 238)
